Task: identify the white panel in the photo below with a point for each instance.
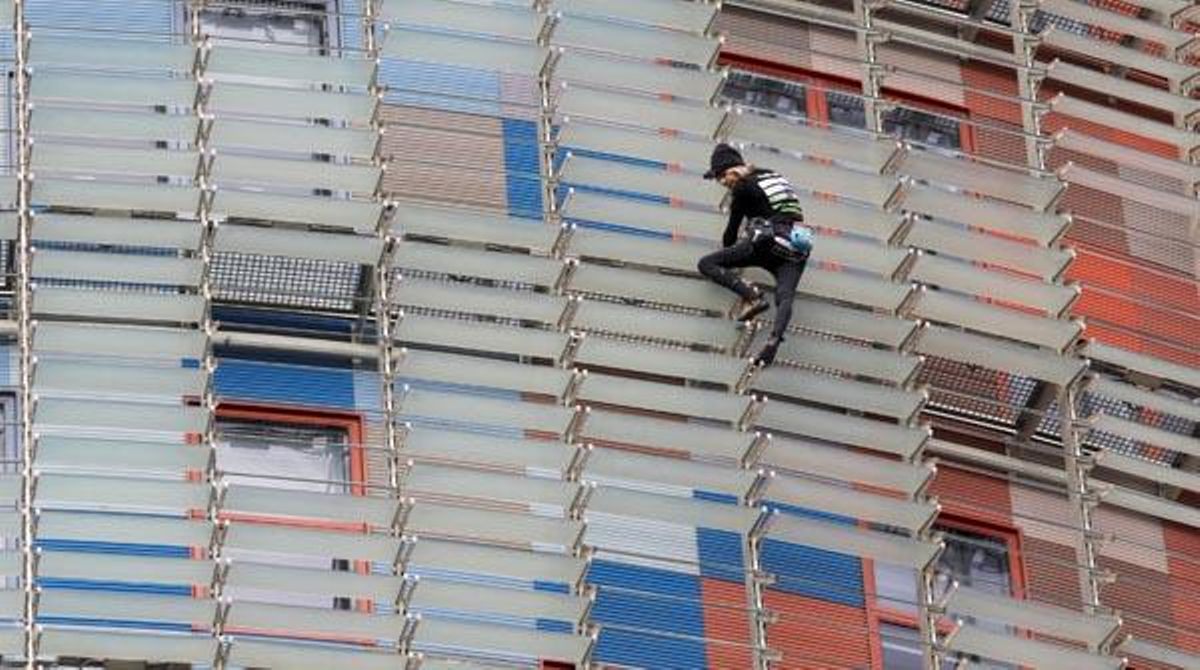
(672, 509)
(1133, 394)
(1010, 185)
(91, 379)
(254, 653)
(948, 308)
(1170, 202)
(830, 354)
(291, 103)
(360, 249)
(159, 307)
(473, 226)
(640, 111)
(606, 353)
(990, 214)
(139, 529)
(476, 559)
(126, 645)
(636, 42)
(842, 428)
(278, 502)
(618, 176)
(85, 160)
(124, 568)
(667, 437)
(131, 91)
(543, 457)
(1158, 652)
(124, 268)
(481, 336)
(483, 372)
(503, 20)
(500, 641)
(847, 465)
(657, 78)
(873, 292)
(276, 65)
(679, 222)
(695, 17)
(166, 233)
(250, 170)
(282, 540)
(503, 528)
(110, 53)
(430, 482)
(1150, 365)
(681, 151)
(441, 596)
(872, 154)
(108, 606)
(294, 138)
(1156, 436)
(176, 128)
(619, 465)
(1119, 23)
(852, 541)
(838, 392)
(1176, 73)
(103, 195)
(612, 318)
(856, 324)
(516, 56)
(873, 189)
(1120, 86)
(481, 410)
(630, 284)
(1033, 653)
(111, 494)
(312, 622)
(1050, 298)
(1000, 355)
(475, 299)
(84, 414)
(1051, 620)
(522, 268)
(357, 215)
(126, 341)
(850, 502)
(123, 456)
(681, 400)
(1126, 156)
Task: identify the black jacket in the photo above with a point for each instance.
(762, 194)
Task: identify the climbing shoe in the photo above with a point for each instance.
(766, 356)
(753, 307)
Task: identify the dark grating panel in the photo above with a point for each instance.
(974, 391)
(286, 282)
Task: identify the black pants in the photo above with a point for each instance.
(760, 251)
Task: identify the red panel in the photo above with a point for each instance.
(973, 496)
(1183, 563)
(1055, 121)
(1050, 572)
(726, 619)
(816, 634)
(1142, 593)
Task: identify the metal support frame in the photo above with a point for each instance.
(24, 305)
(1082, 499)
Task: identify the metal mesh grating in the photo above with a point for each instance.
(1091, 404)
(286, 282)
(974, 391)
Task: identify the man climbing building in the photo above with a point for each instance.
(774, 239)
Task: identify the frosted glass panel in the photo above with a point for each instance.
(436, 482)
(502, 20)
(92, 339)
(128, 305)
(852, 541)
(1051, 299)
(684, 401)
(871, 189)
(261, 577)
(481, 336)
(111, 494)
(946, 308)
(641, 111)
(511, 529)
(359, 216)
(619, 319)
(261, 63)
(1045, 263)
(124, 528)
(360, 179)
(675, 475)
(473, 226)
(120, 231)
(579, 66)
(102, 195)
(488, 54)
(59, 377)
(123, 456)
(165, 648)
(679, 222)
(299, 244)
(473, 299)
(504, 562)
(672, 509)
(133, 91)
(633, 143)
(848, 502)
(429, 445)
(847, 465)
(618, 176)
(530, 605)
(465, 409)
(110, 53)
(251, 653)
(291, 103)
(652, 359)
(652, 287)
(838, 392)
(1009, 185)
(970, 639)
(304, 504)
(828, 354)
(118, 568)
(176, 128)
(1057, 621)
(311, 622)
(56, 412)
(850, 430)
(135, 607)
(814, 142)
(521, 268)
(998, 216)
(636, 42)
(279, 540)
(667, 437)
(966, 347)
(694, 17)
(294, 137)
(474, 371)
(500, 641)
(163, 270)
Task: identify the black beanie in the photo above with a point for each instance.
(723, 158)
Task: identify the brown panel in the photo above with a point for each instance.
(764, 37)
(1183, 565)
(813, 633)
(1141, 594)
(1050, 574)
(973, 495)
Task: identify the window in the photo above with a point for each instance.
(922, 127)
(267, 22)
(846, 110)
(768, 94)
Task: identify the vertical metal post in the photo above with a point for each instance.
(1081, 499)
(757, 603)
(1024, 44)
(868, 42)
(25, 332)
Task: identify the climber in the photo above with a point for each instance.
(774, 238)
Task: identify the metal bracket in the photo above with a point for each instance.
(566, 358)
(568, 314)
(754, 452)
(565, 274)
(578, 462)
(571, 392)
(583, 495)
(575, 426)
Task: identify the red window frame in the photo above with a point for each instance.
(878, 615)
(818, 110)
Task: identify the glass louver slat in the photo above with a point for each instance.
(694, 17)
(679, 222)
(501, 20)
(684, 401)
(123, 568)
(868, 255)
(1171, 202)
(473, 226)
(974, 640)
(108, 195)
(291, 103)
(847, 465)
(120, 494)
(119, 456)
(162, 270)
(1045, 263)
(8, 225)
(162, 648)
(606, 465)
(10, 489)
(520, 268)
(1051, 299)
(1178, 74)
(852, 541)
(873, 189)
(618, 176)
(871, 154)
(361, 249)
(11, 563)
(668, 437)
(895, 368)
(123, 529)
(433, 482)
(639, 111)
(872, 292)
(357, 215)
(655, 253)
(500, 562)
(75, 51)
(1158, 652)
(844, 429)
(1119, 23)
(1134, 395)
(126, 341)
(606, 353)
(494, 527)
(123, 231)
(155, 307)
(79, 378)
(1150, 365)
(81, 414)
(1073, 140)
(474, 299)
(264, 64)
(633, 143)
(618, 319)
(1011, 357)
(294, 138)
(850, 502)
(499, 642)
(277, 540)
(635, 41)
(334, 583)
(652, 287)
(8, 193)
(10, 524)
(440, 596)
(497, 55)
(229, 168)
(948, 308)
(312, 622)
(1149, 434)
(1130, 123)
(12, 640)
(273, 501)
(480, 336)
(429, 445)
(657, 78)
(130, 91)
(1154, 506)
(837, 392)
(482, 372)
(1008, 185)
(1034, 616)
(672, 509)
(171, 128)
(247, 653)
(845, 217)
(856, 324)
(481, 410)
(998, 216)
(151, 609)
(1121, 87)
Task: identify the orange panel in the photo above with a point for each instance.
(816, 634)
(1183, 564)
(973, 496)
(725, 619)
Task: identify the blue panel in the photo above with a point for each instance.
(647, 598)
(120, 587)
(154, 17)
(640, 650)
(632, 195)
(122, 548)
(286, 320)
(555, 626)
(617, 158)
(439, 86)
(711, 496)
(521, 158)
(114, 623)
(272, 382)
(812, 572)
(721, 555)
(551, 587)
(350, 26)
